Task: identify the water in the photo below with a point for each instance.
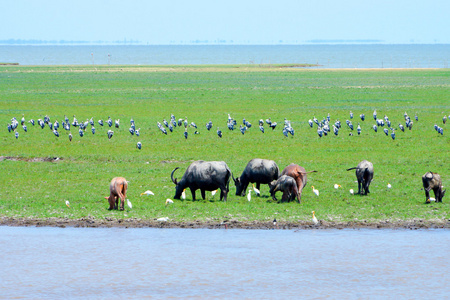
(115, 263)
(329, 56)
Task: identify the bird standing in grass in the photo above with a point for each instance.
(314, 219)
(389, 185)
(219, 132)
(336, 186)
(257, 192)
(351, 191)
(68, 203)
(213, 193)
(169, 201)
(315, 191)
(129, 203)
(185, 133)
(139, 145)
(147, 192)
(249, 195)
(110, 134)
(183, 194)
(70, 137)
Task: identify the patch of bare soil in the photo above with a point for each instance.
(229, 224)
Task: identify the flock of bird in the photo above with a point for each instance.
(323, 127)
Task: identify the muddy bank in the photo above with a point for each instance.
(230, 224)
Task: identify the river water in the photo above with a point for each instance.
(328, 56)
(117, 263)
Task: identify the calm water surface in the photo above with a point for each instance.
(200, 263)
(329, 56)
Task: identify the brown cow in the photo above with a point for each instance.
(299, 174)
(118, 189)
(432, 181)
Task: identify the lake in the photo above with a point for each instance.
(328, 56)
(117, 263)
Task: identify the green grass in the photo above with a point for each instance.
(149, 94)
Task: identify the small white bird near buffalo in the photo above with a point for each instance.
(169, 201)
(389, 186)
(336, 186)
(315, 191)
(183, 194)
(129, 204)
(148, 192)
(213, 193)
(249, 195)
(256, 190)
(68, 203)
(351, 191)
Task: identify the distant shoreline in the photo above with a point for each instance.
(228, 224)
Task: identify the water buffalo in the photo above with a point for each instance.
(258, 171)
(287, 185)
(206, 176)
(299, 174)
(432, 181)
(364, 174)
(117, 189)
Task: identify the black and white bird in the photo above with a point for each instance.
(417, 118)
(56, 133)
(25, 128)
(358, 129)
(243, 129)
(393, 134)
(109, 122)
(131, 130)
(93, 130)
(335, 130)
(351, 115)
(362, 116)
(16, 135)
(261, 128)
(100, 122)
(80, 132)
(110, 134)
(219, 132)
(194, 125)
(320, 131)
(310, 122)
(401, 127)
(117, 123)
(139, 145)
(375, 128)
(137, 132)
(209, 125)
(31, 121)
(273, 125)
(386, 131)
(70, 137)
(375, 114)
(165, 123)
(185, 133)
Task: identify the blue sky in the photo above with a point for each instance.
(236, 21)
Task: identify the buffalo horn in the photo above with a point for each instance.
(171, 176)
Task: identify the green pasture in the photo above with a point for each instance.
(148, 94)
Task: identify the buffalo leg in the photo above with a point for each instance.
(203, 194)
(193, 194)
(223, 194)
(359, 187)
(258, 186)
(427, 194)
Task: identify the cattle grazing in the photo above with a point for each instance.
(432, 181)
(299, 174)
(364, 175)
(206, 176)
(257, 171)
(118, 190)
(287, 185)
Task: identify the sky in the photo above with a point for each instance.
(230, 21)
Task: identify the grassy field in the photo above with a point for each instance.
(32, 188)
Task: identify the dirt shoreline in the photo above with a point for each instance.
(229, 224)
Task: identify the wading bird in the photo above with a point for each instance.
(147, 192)
(255, 189)
(315, 191)
(314, 219)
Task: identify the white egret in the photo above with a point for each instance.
(129, 203)
(257, 192)
(336, 186)
(389, 186)
(183, 194)
(351, 191)
(68, 203)
(169, 201)
(314, 219)
(249, 195)
(213, 192)
(148, 192)
(315, 191)
(163, 219)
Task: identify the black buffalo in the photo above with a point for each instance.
(257, 171)
(206, 176)
(364, 174)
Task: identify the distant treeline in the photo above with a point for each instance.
(63, 42)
